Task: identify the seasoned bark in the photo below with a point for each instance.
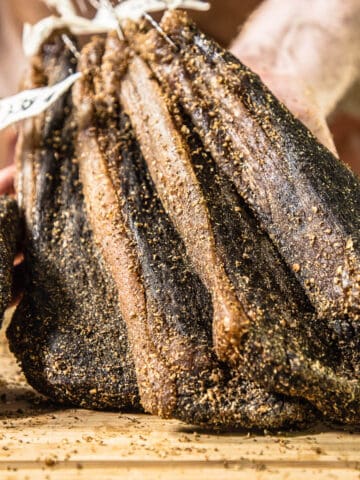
(167, 308)
(10, 233)
(167, 156)
(108, 222)
(67, 331)
(305, 198)
(284, 346)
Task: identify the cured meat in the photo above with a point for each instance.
(271, 331)
(10, 228)
(305, 199)
(145, 241)
(167, 308)
(67, 332)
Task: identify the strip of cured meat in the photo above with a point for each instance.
(281, 343)
(10, 228)
(303, 196)
(67, 332)
(167, 308)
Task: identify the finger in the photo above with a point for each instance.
(7, 180)
(321, 50)
(303, 106)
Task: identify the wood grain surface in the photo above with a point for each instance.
(40, 440)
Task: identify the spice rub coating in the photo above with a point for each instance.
(67, 332)
(305, 199)
(167, 205)
(286, 347)
(10, 232)
(171, 331)
(180, 320)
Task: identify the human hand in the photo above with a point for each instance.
(7, 169)
(308, 60)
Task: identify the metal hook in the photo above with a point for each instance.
(110, 7)
(71, 45)
(160, 30)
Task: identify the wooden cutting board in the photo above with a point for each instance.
(39, 440)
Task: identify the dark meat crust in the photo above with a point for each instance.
(153, 196)
(67, 331)
(306, 199)
(279, 168)
(180, 318)
(175, 314)
(286, 347)
(10, 232)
